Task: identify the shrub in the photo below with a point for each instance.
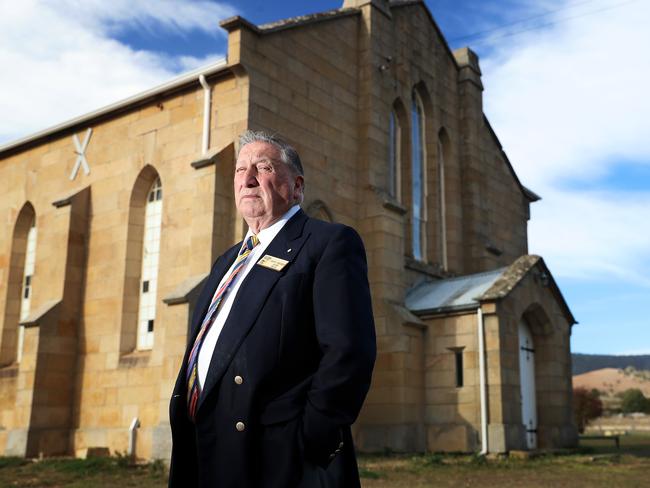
(586, 407)
(634, 400)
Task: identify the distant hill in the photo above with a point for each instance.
(611, 381)
(583, 363)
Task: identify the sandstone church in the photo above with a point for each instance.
(109, 224)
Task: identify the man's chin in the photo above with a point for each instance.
(251, 211)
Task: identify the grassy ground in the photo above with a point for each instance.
(596, 464)
(78, 473)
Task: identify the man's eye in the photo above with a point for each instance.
(241, 169)
(264, 168)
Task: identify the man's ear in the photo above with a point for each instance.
(299, 188)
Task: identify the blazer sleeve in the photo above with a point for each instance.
(346, 335)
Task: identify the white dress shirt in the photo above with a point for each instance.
(265, 237)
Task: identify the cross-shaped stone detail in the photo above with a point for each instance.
(80, 151)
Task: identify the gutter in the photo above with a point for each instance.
(206, 113)
(133, 433)
(185, 79)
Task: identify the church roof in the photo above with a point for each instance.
(469, 291)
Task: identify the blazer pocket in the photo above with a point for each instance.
(280, 412)
(287, 406)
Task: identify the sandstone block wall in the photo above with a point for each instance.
(111, 384)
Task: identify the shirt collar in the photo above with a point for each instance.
(268, 234)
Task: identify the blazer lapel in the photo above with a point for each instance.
(251, 298)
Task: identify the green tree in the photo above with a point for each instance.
(586, 407)
(634, 400)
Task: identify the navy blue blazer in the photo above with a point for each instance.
(290, 370)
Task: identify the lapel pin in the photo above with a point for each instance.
(289, 250)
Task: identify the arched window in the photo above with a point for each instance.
(418, 184)
(394, 152)
(149, 274)
(26, 293)
(442, 204)
(19, 276)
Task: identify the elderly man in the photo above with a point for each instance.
(282, 343)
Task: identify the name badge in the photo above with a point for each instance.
(272, 262)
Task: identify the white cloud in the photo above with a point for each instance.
(593, 235)
(569, 102)
(117, 15)
(581, 84)
(188, 63)
(59, 59)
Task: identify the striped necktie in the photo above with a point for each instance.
(193, 386)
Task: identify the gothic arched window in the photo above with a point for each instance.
(26, 292)
(394, 153)
(149, 273)
(418, 183)
(19, 277)
(442, 204)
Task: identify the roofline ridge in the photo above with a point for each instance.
(169, 85)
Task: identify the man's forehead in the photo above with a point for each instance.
(258, 150)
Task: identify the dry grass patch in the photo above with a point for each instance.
(78, 473)
(593, 465)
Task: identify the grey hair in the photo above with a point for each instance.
(288, 153)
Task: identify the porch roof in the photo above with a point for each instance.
(466, 292)
(458, 293)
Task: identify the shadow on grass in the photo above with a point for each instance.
(12, 462)
(632, 444)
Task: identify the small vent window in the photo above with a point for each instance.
(458, 365)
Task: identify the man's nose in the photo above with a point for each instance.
(251, 177)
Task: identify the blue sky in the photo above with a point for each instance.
(566, 92)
